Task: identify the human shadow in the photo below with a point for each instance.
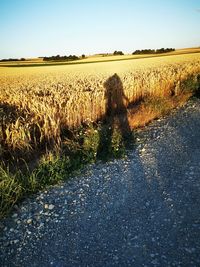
(197, 93)
(115, 115)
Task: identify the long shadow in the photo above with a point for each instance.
(197, 93)
(8, 114)
(115, 115)
(13, 156)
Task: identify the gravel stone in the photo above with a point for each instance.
(29, 221)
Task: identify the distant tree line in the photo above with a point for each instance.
(62, 58)
(153, 51)
(119, 53)
(12, 59)
(116, 52)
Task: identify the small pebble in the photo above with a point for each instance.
(29, 221)
(46, 206)
(51, 207)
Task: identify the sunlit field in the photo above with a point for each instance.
(55, 97)
(60, 107)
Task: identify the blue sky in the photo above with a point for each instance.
(33, 28)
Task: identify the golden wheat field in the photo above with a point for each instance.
(48, 99)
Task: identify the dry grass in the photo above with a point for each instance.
(153, 108)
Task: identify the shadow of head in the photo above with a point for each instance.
(113, 82)
(116, 101)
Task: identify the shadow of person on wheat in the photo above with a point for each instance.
(115, 115)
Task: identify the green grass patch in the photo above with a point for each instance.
(57, 165)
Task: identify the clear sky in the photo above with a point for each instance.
(33, 28)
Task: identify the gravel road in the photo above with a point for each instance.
(143, 210)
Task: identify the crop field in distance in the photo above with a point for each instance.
(94, 58)
(62, 108)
